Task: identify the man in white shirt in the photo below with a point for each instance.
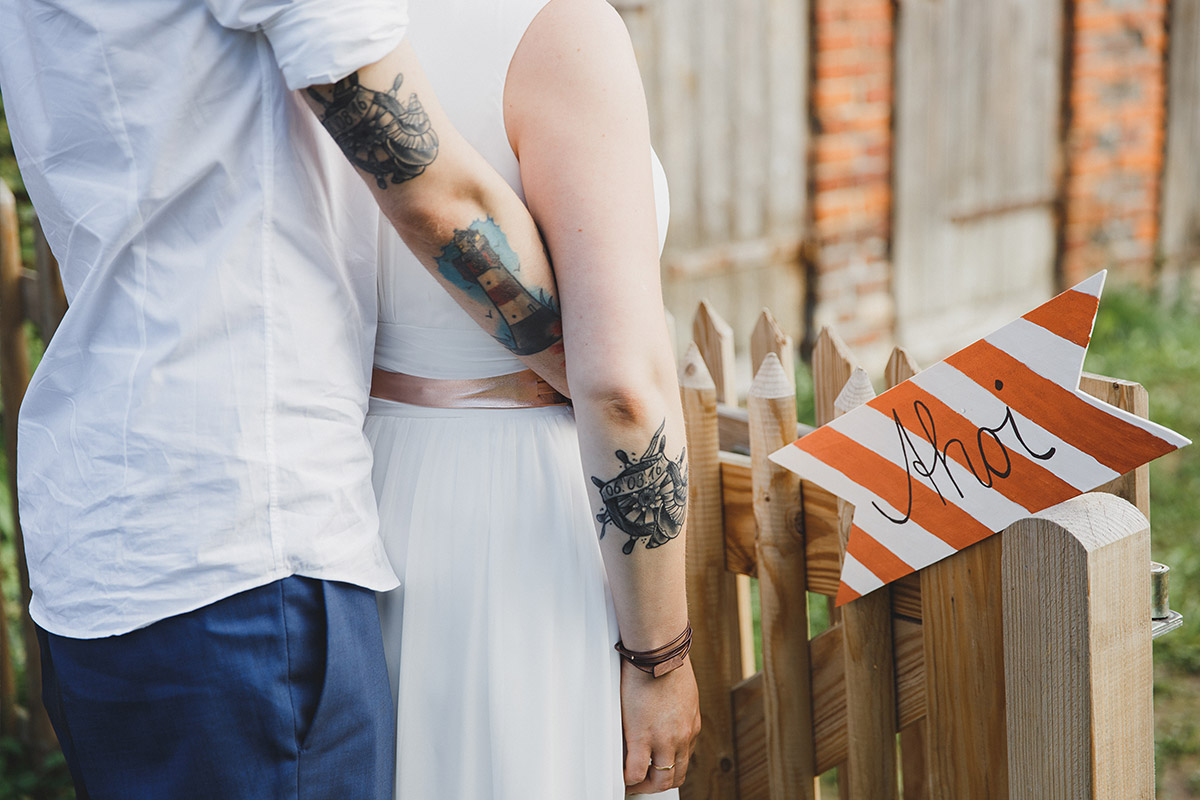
(194, 484)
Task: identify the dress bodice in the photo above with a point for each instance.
(465, 47)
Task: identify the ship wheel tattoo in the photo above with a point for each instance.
(381, 135)
(648, 499)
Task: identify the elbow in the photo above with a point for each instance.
(623, 405)
(426, 219)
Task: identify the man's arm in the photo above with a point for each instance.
(450, 207)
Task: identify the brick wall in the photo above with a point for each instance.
(849, 281)
(1113, 151)
(1114, 138)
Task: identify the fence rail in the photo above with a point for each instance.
(1018, 668)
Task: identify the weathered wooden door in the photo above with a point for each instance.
(977, 165)
(1180, 233)
(726, 83)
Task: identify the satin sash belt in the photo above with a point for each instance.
(517, 390)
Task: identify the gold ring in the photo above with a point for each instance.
(668, 766)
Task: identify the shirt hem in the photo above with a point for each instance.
(57, 625)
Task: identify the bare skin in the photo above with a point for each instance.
(576, 117)
(434, 188)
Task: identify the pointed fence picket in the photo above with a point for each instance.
(1017, 668)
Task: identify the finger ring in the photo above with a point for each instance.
(664, 767)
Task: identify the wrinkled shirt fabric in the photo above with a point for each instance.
(194, 428)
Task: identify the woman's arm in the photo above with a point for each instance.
(439, 193)
(576, 118)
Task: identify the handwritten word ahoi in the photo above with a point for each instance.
(939, 456)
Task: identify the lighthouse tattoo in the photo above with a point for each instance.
(479, 261)
(648, 498)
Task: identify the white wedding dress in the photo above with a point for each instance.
(500, 639)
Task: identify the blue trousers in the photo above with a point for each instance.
(277, 692)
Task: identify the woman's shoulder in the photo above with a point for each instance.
(566, 27)
(575, 55)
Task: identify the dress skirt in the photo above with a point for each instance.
(500, 638)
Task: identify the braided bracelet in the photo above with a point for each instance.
(660, 661)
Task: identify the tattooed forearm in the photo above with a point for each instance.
(648, 497)
(382, 136)
(479, 261)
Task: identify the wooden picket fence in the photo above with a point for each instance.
(25, 295)
(1018, 668)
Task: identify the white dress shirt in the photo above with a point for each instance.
(195, 427)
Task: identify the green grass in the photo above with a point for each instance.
(1140, 338)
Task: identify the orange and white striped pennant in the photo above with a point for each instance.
(994, 433)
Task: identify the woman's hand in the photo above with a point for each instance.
(661, 718)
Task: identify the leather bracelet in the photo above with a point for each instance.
(660, 661)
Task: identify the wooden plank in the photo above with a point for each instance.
(906, 597)
(968, 247)
(672, 119)
(900, 367)
(964, 673)
(714, 338)
(737, 500)
(745, 618)
(906, 601)
(1079, 683)
(821, 539)
(832, 365)
(14, 379)
(819, 525)
(829, 704)
(13, 370)
(712, 125)
(768, 337)
(787, 699)
(748, 107)
(830, 735)
(1134, 485)
(734, 429)
(914, 754)
(787, 92)
(672, 332)
(751, 737)
(712, 595)
(868, 658)
(1180, 233)
(52, 300)
(720, 258)
(908, 641)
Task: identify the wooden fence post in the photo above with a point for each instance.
(870, 766)
(1134, 486)
(962, 613)
(914, 739)
(1079, 672)
(14, 378)
(11, 346)
(714, 338)
(51, 300)
(782, 575)
(768, 337)
(712, 593)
